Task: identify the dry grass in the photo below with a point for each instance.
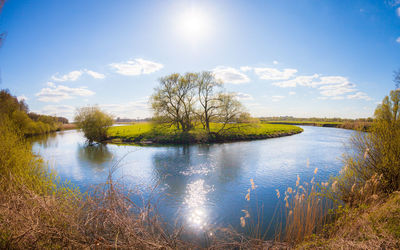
(356, 125)
(373, 226)
(306, 210)
(105, 218)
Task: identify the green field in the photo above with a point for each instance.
(150, 133)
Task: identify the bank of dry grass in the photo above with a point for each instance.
(373, 226)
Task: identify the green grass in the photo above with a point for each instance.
(144, 132)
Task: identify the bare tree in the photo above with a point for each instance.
(180, 99)
(229, 110)
(173, 101)
(208, 98)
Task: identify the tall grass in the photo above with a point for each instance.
(301, 211)
(307, 206)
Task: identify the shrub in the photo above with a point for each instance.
(374, 164)
(94, 123)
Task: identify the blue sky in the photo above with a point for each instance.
(301, 58)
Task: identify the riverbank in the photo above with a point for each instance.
(148, 133)
(370, 226)
(356, 125)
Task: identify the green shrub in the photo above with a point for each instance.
(374, 164)
(94, 123)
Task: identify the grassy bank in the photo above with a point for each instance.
(353, 125)
(370, 226)
(147, 133)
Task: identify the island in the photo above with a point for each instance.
(150, 133)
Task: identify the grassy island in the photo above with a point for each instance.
(149, 133)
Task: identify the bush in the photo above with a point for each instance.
(94, 123)
(374, 164)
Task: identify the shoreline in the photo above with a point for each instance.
(187, 139)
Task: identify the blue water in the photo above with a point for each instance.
(203, 185)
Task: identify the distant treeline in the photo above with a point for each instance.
(29, 123)
(132, 120)
(315, 119)
(363, 124)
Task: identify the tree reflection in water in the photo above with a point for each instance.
(97, 156)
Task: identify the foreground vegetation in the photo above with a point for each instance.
(360, 208)
(154, 133)
(373, 225)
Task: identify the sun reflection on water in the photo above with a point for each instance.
(195, 200)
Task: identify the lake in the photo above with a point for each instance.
(202, 185)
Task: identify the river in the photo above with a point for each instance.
(202, 185)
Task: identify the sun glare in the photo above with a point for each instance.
(194, 24)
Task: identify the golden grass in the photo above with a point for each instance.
(373, 226)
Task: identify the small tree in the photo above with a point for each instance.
(94, 123)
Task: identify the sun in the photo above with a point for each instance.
(194, 24)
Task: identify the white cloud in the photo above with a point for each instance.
(398, 11)
(277, 98)
(94, 74)
(243, 96)
(360, 95)
(22, 98)
(275, 62)
(245, 68)
(292, 93)
(274, 74)
(300, 80)
(136, 67)
(71, 76)
(230, 75)
(337, 89)
(58, 93)
(59, 110)
(398, 39)
(331, 87)
(332, 80)
(75, 75)
(335, 86)
(50, 84)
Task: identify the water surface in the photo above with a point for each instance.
(204, 185)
